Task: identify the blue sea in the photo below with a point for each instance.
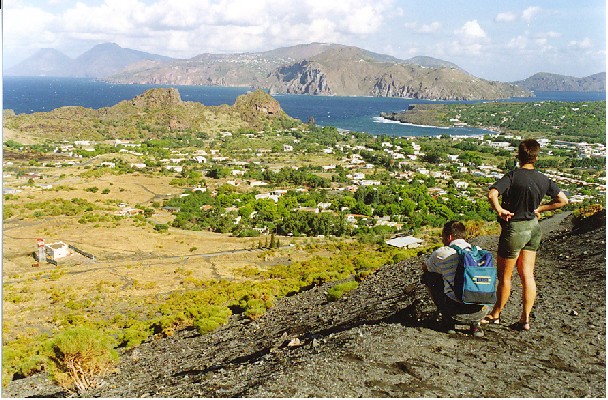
(361, 114)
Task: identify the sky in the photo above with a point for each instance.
(491, 39)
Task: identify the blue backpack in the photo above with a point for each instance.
(476, 276)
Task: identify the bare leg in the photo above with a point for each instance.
(525, 268)
(505, 267)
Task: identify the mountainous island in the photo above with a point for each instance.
(316, 69)
(545, 82)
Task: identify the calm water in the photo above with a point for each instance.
(33, 94)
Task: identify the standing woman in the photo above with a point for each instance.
(522, 191)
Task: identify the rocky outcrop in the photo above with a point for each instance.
(157, 98)
(258, 102)
(304, 77)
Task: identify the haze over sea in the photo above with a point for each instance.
(34, 94)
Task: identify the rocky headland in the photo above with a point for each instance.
(150, 115)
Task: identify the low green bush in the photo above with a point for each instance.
(337, 291)
(161, 227)
(135, 334)
(80, 357)
(210, 318)
(22, 358)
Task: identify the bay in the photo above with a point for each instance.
(41, 94)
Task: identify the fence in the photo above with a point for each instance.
(84, 253)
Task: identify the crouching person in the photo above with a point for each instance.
(439, 272)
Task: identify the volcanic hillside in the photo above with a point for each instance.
(381, 340)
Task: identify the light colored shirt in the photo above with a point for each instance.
(444, 261)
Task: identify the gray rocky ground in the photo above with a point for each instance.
(381, 340)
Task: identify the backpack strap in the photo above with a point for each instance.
(459, 249)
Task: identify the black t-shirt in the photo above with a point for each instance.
(522, 190)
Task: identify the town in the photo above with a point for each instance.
(364, 183)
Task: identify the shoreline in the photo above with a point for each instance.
(385, 120)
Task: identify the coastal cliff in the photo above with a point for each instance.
(331, 70)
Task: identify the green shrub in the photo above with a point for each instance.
(210, 318)
(255, 304)
(161, 227)
(136, 334)
(22, 358)
(80, 357)
(337, 291)
(587, 211)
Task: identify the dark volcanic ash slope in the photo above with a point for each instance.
(381, 341)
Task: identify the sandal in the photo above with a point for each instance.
(521, 326)
(490, 320)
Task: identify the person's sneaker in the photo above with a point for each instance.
(476, 330)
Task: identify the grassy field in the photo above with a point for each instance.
(133, 262)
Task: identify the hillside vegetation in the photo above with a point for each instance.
(568, 121)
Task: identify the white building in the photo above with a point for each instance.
(57, 250)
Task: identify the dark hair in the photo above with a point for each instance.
(528, 151)
(454, 228)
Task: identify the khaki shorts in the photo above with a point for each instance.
(518, 236)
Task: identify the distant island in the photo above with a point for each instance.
(314, 69)
(545, 82)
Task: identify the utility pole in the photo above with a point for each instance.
(41, 255)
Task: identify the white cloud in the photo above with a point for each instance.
(505, 17)
(186, 28)
(471, 40)
(584, 44)
(551, 35)
(520, 42)
(28, 28)
(538, 43)
(424, 28)
(529, 13)
(471, 31)
(361, 21)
